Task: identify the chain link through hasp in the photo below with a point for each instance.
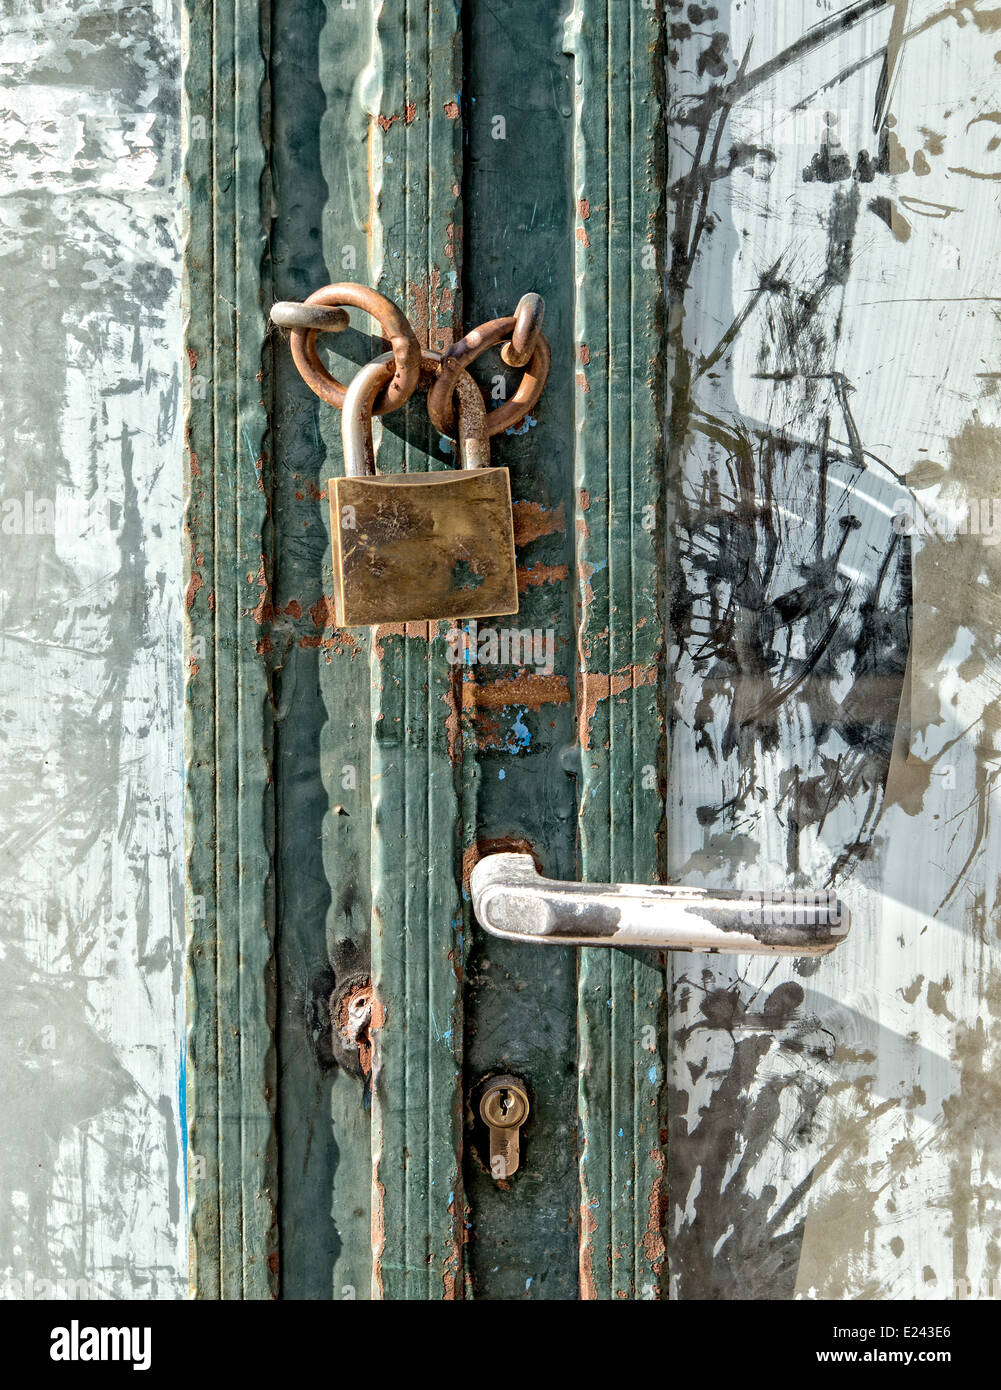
(405, 367)
(418, 547)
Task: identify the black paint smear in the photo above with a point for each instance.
(740, 1244)
(745, 583)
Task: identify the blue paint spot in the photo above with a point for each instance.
(445, 444)
(519, 737)
(501, 775)
(620, 1133)
(528, 1281)
(527, 424)
(652, 1074)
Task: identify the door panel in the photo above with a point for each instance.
(519, 720)
(742, 386)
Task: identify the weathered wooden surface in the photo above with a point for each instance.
(91, 934)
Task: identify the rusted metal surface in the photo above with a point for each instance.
(401, 383)
(528, 318)
(416, 547)
(458, 359)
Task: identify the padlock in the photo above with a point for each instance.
(415, 547)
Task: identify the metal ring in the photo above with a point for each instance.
(356, 426)
(465, 351)
(528, 318)
(396, 327)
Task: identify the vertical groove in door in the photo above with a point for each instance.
(620, 157)
(415, 154)
(229, 816)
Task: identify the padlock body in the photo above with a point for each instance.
(414, 547)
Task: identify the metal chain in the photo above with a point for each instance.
(520, 336)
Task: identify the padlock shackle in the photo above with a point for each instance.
(359, 399)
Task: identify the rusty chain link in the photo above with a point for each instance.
(523, 344)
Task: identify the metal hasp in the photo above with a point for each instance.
(512, 899)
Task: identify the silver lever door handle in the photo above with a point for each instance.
(511, 899)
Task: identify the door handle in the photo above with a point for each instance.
(513, 900)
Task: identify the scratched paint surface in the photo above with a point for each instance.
(833, 698)
(834, 202)
(91, 936)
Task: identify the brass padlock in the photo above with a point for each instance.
(414, 547)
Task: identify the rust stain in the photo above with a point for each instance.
(386, 121)
(584, 353)
(378, 1231)
(340, 642)
(376, 1024)
(451, 109)
(322, 612)
(383, 631)
(596, 687)
(508, 844)
(359, 1015)
(409, 113)
(264, 611)
(293, 609)
(583, 209)
(653, 1241)
(583, 383)
(531, 521)
(434, 304)
(452, 1267)
(530, 691)
(588, 1226)
(453, 723)
(539, 574)
(583, 237)
(264, 645)
(194, 584)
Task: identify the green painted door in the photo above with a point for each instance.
(344, 1004)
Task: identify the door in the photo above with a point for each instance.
(716, 691)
